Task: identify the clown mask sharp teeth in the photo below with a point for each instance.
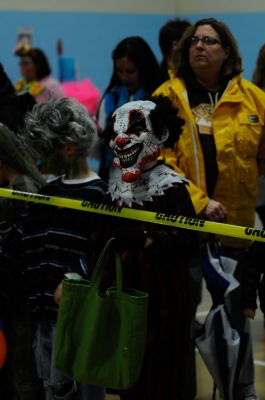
(134, 144)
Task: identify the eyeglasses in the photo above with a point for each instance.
(207, 40)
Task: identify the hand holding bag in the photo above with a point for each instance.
(100, 337)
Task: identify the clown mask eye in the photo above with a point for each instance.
(137, 123)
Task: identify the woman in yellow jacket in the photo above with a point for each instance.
(237, 124)
(222, 147)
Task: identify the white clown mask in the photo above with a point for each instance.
(133, 142)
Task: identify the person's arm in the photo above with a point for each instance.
(249, 313)
(214, 211)
(199, 197)
(101, 116)
(204, 206)
(250, 266)
(59, 290)
(261, 153)
(261, 292)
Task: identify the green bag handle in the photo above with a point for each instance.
(100, 266)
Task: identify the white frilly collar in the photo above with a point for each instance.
(151, 183)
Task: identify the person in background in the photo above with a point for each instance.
(253, 280)
(49, 243)
(169, 37)
(13, 107)
(154, 257)
(17, 172)
(18, 377)
(222, 148)
(258, 79)
(136, 74)
(36, 75)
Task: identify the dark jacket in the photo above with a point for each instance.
(253, 278)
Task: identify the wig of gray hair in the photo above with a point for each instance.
(57, 122)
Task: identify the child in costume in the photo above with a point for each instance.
(154, 256)
(17, 172)
(50, 243)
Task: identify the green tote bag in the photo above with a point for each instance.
(100, 337)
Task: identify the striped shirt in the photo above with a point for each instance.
(51, 241)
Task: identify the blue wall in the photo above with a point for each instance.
(90, 37)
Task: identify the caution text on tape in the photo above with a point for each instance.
(140, 215)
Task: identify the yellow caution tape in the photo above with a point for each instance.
(139, 215)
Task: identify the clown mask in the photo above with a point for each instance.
(133, 143)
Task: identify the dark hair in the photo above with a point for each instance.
(40, 62)
(259, 72)
(170, 31)
(140, 53)
(232, 65)
(164, 117)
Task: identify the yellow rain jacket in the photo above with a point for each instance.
(238, 121)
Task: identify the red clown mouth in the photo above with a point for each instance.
(128, 157)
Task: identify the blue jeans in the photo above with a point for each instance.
(58, 386)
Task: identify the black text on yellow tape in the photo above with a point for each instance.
(147, 216)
